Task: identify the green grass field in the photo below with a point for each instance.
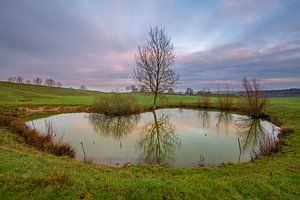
(26, 173)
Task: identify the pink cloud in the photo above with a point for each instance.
(246, 10)
(103, 82)
(221, 82)
(281, 80)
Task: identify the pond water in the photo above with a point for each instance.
(177, 137)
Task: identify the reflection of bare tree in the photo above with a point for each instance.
(159, 142)
(117, 127)
(224, 119)
(203, 117)
(252, 133)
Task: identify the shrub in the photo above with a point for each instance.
(254, 101)
(115, 104)
(286, 131)
(204, 99)
(267, 147)
(225, 100)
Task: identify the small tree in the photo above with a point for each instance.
(170, 91)
(189, 91)
(49, 82)
(254, 98)
(143, 88)
(19, 79)
(58, 84)
(133, 88)
(153, 63)
(82, 87)
(38, 81)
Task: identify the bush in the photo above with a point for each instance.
(267, 147)
(286, 131)
(225, 100)
(254, 101)
(115, 104)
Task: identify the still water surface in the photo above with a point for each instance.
(177, 137)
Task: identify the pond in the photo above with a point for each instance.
(177, 137)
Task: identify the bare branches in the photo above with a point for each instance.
(153, 63)
(254, 98)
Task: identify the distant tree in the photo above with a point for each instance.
(189, 91)
(134, 88)
(58, 84)
(127, 88)
(37, 81)
(82, 87)
(12, 79)
(28, 81)
(49, 82)
(153, 63)
(143, 88)
(19, 79)
(170, 91)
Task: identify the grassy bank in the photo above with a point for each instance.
(26, 173)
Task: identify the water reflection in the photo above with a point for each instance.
(200, 137)
(159, 140)
(224, 121)
(203, 117)
(116, 127)
(252, 133)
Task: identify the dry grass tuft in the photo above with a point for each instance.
(267, 147)
(41, 142)
(286, 131)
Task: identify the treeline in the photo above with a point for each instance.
(35, 81)
(39, 81)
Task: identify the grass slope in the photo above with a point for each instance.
(28, 174)
(12, 94)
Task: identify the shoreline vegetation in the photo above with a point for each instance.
(119, 104)
(278, 170)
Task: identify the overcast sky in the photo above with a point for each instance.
(93, 42)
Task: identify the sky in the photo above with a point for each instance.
(93, 42)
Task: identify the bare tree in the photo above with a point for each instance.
(19, 79)
(143, 88)
(254, 98)
(82, 87)
(153, 63)
(134, 88)
(12, 79)
(38, 81)
(170, 91)
(58, 84)
(49, 82)
(28, 81)
(189, 91)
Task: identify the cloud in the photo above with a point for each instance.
(246, 10)
(282, 80)
(94, 42)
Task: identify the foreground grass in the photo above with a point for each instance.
(29, 174)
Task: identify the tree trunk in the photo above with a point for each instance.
(154, 101)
